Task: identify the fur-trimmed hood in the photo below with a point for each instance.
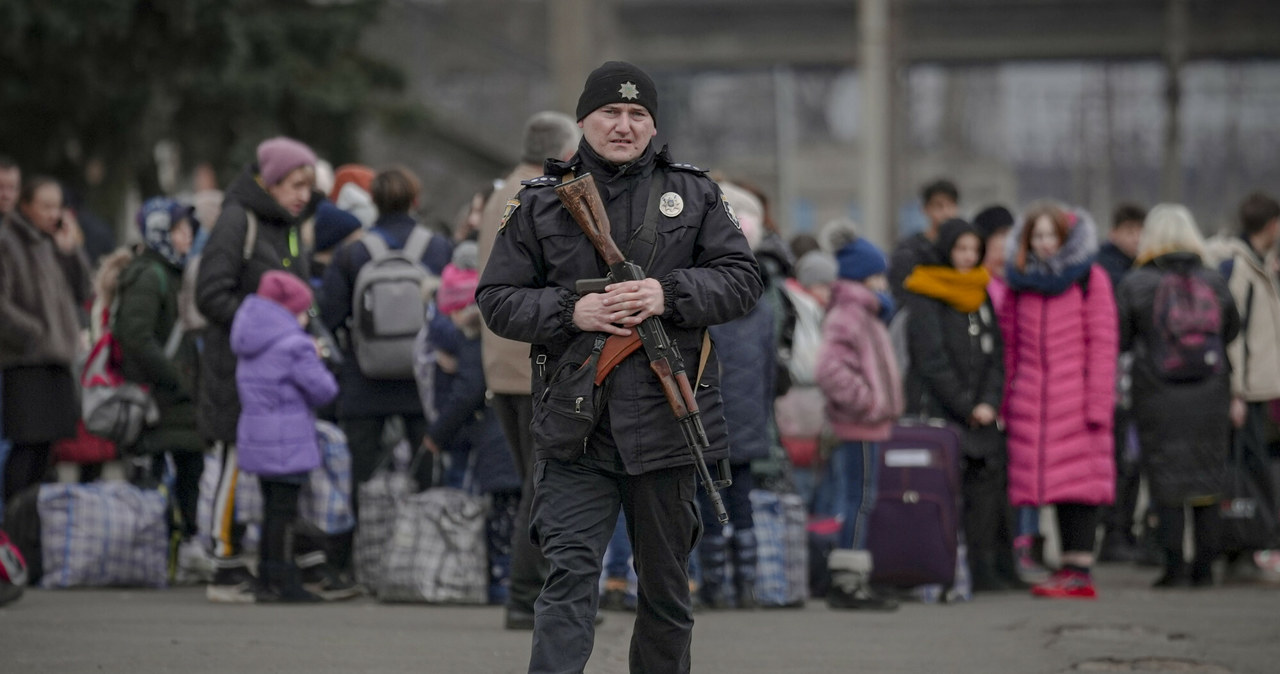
(1080, 247)
(1072, 261)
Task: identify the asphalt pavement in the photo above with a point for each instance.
(1224, 630)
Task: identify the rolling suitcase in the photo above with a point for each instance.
(913, 531)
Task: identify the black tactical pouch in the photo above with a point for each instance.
(567, 410)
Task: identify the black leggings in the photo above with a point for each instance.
(1172, 527)
(188, 467)
(1078, 526)
(27, 465)
(279, 510)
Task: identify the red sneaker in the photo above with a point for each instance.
(1066, 585)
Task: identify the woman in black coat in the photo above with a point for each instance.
(145, 315)
(1181, 396)
(957, 374)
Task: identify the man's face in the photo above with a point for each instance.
(10, 183)
(45, 209)
(619, 132)
(939, 209)
(1125, 236)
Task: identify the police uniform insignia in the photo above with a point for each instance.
(508, 211)
(728, 210)
(671, 204)
(629, 91)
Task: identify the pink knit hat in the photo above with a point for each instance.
(279, 156)
(457, 288)
(285, 289)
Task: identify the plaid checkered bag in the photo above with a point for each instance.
(437, 553)
(782, 548)
(103, 534)
(325, 500)
(379, 499)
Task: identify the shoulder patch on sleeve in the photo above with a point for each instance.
(541, 181)
(728, 210)
(689, 168)
(507, 212)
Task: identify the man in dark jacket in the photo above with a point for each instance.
(940, 200)
(277, 193)
(365, 403)
(700, 273)
(1116, 256)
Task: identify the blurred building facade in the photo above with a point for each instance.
(1089, 101)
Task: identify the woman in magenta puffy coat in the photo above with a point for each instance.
(1060, 332)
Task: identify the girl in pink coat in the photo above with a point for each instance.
(1060, 330)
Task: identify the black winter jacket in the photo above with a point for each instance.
(957, 359)
(226, 278)
(747, 354)
(147, 310)
(702, 260)
(1183, 428)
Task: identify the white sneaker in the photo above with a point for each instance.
(194, 565)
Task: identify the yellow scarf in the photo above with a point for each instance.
(965, 291)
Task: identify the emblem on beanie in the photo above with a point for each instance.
(671, 204)
(629, 91)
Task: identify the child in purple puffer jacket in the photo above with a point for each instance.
(281, 381)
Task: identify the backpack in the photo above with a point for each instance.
(1188, 321)
(387, 306)
(110, 406)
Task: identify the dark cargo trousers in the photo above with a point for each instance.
(575, 509)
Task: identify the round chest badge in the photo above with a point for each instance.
(671, 204)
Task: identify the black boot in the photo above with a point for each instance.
(982, 569)
(281, 582)
(1007, 569)
(714, 555)
(851, 583)
(1176, 572)
(744, 567)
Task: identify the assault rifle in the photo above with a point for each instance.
(582, 200)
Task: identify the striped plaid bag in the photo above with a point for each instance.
(103, 534)
(782, 548)
(379, 499)
(325, 500)
(437, 553)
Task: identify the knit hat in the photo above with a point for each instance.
(359, 174)
(466, 255)
(457, 288)
(992, 220)
(333, 225)
(356, 200)
(860, 259)
(949, 232)
(617, 82)
(156, 219)
(285, 289)
(815, 268)
(279, 156)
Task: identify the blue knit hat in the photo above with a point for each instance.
(860, 259)
(333, 225)
(156, 219)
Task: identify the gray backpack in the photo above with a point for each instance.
(387, 306)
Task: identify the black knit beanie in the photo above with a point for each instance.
(617, 82)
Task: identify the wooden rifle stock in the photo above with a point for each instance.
(581, 198)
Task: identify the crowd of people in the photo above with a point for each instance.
(1077, 368)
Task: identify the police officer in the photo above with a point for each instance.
(700, 272)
